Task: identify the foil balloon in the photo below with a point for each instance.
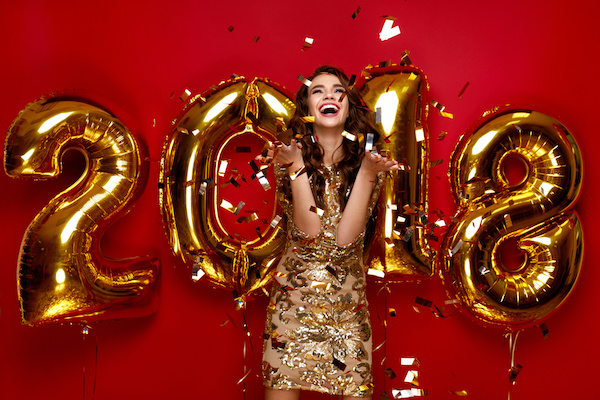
(531, 209)
(62, 276)
(218, 206)
(399, 247)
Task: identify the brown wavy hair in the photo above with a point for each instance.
(359, 122)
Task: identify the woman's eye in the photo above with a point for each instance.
(340, 90)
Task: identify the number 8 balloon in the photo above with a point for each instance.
(62, 275)
(493, 209)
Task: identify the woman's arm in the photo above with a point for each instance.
(354, 217)
(302, 196)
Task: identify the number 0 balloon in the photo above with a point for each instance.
(62, 275)
(533, 210)
(218, 207)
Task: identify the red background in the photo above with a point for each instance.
(136, 54)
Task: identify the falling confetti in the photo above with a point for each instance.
(388, 30)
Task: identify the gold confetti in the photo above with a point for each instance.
(184, 96)
(435, 162)
(299, 172)
(404, 59)
(410, 361)
(317, 210)
(231, 28)
(508, 220)
(320, 285)
(355, 13)
(437, 105)
(349, 136)
(419, 134)
(275, 221)
(412, 377)
(376, 272)
(388, 30)
(390, 373)
(442, 135)
(308, 42)
(256, 39)
(304, 80)
(423, 302)
(223, 167)
(461, 393)
(446, 114)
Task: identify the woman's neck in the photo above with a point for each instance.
(332, 146)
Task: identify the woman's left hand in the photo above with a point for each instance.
(374, 163)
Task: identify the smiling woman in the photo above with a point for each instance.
(318, 332)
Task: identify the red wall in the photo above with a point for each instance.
(136, 54)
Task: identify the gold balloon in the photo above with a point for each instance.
(219, 209)
(396, 94)
(62, 276)
(535, 211)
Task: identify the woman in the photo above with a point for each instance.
(318, 334)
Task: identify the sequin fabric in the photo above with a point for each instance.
(318, 332)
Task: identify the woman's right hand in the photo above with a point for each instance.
(289, 155)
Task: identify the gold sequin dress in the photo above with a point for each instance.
(318, 333)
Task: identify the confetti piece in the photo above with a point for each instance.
(385, 63)
(339, 364)
(390, 373)
(370, 143)
(508, 220)
(355, 13)
(410, 361)
(305, 81)
(457, 247)
(320, 285)
(408, 393)
(378, 115)
(375, 272)
(404, 59)
(463, 90)
(308, 42)
(388, 30)
(442, 135)
(544, 329)
(223, 167)
(437, 105)
(262, 179)
(513, 372)
(197, 273)
(392, 312)
(412, 377)
(299, 172)
(446, 114)
(243, 149)
(349, 136)
(275, 221)
(407, 234)
(419, 134)
(184, 96)
(230, 207)
(436, 162)
(256, 39)
(317, 211)
(423, 302)
(231, 28)
(461, 393)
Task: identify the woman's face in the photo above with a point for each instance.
(323, 102)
